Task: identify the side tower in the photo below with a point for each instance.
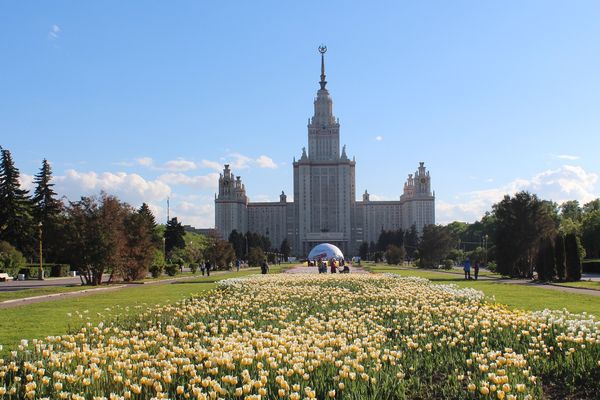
(418, 201)
(231, 205)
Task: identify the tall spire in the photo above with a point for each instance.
(323, 50)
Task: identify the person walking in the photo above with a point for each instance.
(467, 268)
(237, 265)
(476, 269)
(264, 268)
(333, 266)
(202, 268)
(208, 266)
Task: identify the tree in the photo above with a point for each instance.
(593, 205)
(150, 221)
(95, 236)
(590, 233)
(411, 241)
(220, 253)
(174, 235)
(573, 257)
(238, 241)
(545, 264)
(285, 249)
(435, 245)
(11, 259)
(395, 254)
(16, 214)
(139, 250)
(559, 256)
(363, 250)
(571, 209)
(256, 256)
(47, 210)
(521, 221)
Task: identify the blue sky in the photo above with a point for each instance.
(147, 99)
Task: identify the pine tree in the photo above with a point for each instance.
(545, 264)
(573, 257)
(16, 221)
(559, 256)
(174, 234)
(150, 221)
(46, 210)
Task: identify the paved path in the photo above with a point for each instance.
(94, 290)
(303, 269)
(523, 282)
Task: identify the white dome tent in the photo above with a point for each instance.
(325, 251)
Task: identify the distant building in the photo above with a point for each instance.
(325, 208)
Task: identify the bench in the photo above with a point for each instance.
(4, 277)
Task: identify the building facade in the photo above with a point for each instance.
(324, 208)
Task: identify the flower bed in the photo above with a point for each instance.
(293, 337)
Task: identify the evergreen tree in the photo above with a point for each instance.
(545, 264)
(47, 210)
(174, 235)
(435, 245)
(573, 257)
(521, 221)
(411, 241)
(148, 217)
(285, 249)
(363, 251)
(559, 256)
(238, 241)
(16, 219)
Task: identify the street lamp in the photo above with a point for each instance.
(41, 270)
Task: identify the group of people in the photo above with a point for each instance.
(334, 265)
(467, 268)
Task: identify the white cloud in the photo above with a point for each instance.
(53, 33)
(179, 165)
(196, 214)
(145, 161)
(26, 182)
(217, 166)
(239, 161)
(131, 188)
(379, 138)
(209, 181)
(568, 182)
(265, 162)
(568, 157)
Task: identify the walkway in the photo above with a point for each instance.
(522, 282)
(92, 290)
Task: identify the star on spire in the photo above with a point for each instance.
(323, 50)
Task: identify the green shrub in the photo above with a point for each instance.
(492, 267)
(156, 270)
(172, 269)
(194, 268)
(447, 264)
(11, 259)
(50, 270)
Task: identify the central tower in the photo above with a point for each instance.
(324, 182)
(323, 128)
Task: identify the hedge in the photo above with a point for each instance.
(50, 270)
(591, 266)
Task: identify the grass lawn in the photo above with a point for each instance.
(516, 296)
(582, 284)
(50, 318)
(19, 294)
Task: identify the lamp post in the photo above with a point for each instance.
(41, 270)
(165, 249)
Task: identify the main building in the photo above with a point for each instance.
(324, 208)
